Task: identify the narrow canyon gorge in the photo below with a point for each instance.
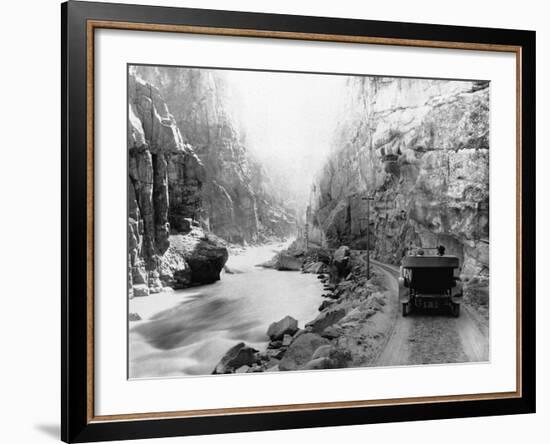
(405, 165)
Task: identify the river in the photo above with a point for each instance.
(186, 332)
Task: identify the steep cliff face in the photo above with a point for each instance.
(235, 203)
(420, 148)
(164, 185)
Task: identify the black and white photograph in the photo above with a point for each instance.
(300, 221)
(233, 221)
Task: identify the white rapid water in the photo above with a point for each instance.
(186, 332)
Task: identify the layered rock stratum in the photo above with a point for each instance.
(420, 149)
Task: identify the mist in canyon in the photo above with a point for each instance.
(287, 121)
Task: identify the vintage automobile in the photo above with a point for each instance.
(429, 281)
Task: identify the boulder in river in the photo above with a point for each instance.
(301, 350)
(132, 317)
(235, 358)
(205, 255)
(284, 261)
(141, 290)
(288, 262)
(271, 263)
(286, 326)
(207, 260)
(193, 258)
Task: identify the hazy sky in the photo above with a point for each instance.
(288, 119)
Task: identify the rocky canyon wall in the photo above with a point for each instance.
(165, 178)
(420, 148)
(235, 200)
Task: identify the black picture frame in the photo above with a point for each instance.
(77, 425)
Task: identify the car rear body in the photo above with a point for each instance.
(429, 281)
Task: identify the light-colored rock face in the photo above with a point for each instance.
(421, 149)
(237, 203)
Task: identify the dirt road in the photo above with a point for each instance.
(431, 337)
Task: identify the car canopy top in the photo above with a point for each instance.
(430, 262)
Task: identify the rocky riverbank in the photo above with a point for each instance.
(186, 331)
(351, 329)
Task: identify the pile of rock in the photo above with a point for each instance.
(290, 348)
(244, 359)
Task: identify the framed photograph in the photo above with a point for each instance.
(275, 221)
